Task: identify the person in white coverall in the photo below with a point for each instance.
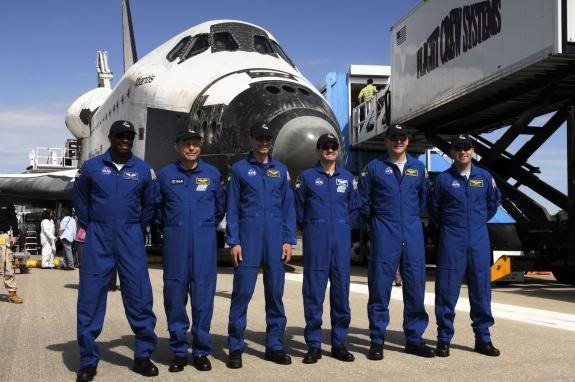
(47, 239)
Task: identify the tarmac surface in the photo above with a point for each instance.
(535, 331)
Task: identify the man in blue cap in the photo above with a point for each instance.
(393, 191)
(192, 203)
(326, 202)
(463, 200)
(260, 231)
(114, 198)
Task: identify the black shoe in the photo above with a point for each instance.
(442, 349)
(278, 356)
(421, 350)
(342, 354)
(202, 363)
(86, 374)
(145, 367)
(487, 349)
(178, 364)
(235, 359)
(375, 352)
(312, 355)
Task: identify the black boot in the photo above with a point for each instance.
(487, 349)
(178, 364)
(145, 367)
(234, 359)
(313, 354)
(342, 354)
(86, 374)
(375, 352)
(202, 363)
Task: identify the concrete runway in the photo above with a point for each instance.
(535, 331)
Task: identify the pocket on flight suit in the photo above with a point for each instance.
(447, 281)
(316, 245)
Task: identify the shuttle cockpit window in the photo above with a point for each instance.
(198, 44)
(262, 45)
(282, 53)
(179, 49)
(224, 41)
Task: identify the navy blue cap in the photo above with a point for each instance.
(395, 130)
(121, 127)
(326, 138)
(462, 139)
(184, 134)
(260, 129)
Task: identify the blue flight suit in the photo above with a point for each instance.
(325, 209)
(392, 202)
(261, 218)
(462, 208)
(115, 207)
(192, 203)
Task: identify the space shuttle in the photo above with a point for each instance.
(219, 77)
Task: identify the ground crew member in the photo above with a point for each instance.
(260, 231)
(114, 198)
(8, 236)
(368, 92)
(192, 203)
(393, 191)
(464, 198)
(326, 203)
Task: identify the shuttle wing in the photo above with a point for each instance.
(33, 188)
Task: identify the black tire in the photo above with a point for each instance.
(565, 276)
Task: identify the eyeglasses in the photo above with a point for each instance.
(398, 138)
(462, 148)
(330, 146)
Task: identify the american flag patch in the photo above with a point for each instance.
(401, 35)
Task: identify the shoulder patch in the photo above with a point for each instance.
(153, 174)
(298, 182)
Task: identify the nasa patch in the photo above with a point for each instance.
(252, 172)
(106, 171)
(174, 182)
(318, 182)
(388, 170)
(455, 184)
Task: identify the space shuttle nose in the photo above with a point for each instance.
(295, 144)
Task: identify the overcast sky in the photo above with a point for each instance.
(49, 51)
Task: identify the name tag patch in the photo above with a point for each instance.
(202, 184)
(176, 182)
(475, 182)
(411, 172)
(131, 175)
(341, 185)
(273, 173)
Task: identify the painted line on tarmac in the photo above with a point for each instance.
(532, 316)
